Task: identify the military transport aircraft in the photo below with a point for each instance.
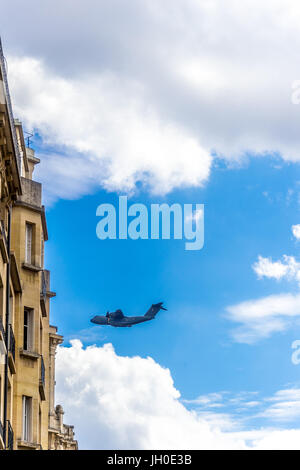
(118, 319)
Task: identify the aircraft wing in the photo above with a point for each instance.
(117, 315)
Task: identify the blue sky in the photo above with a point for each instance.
(182, 101)
(193, 338)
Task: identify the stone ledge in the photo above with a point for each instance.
(32, 267)
(28, 445)
(29, 206)
(29, 354)
(50, 293)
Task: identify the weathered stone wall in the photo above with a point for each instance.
(31, 192)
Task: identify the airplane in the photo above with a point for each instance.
(117, 318)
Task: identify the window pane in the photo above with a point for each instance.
(25, 343)
(28, 246)
(27, 418)
(28, 329)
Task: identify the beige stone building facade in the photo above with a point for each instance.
(29, 418)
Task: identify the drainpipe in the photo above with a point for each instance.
(7, 330)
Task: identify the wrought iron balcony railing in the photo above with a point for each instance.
(12, 342)
(3, 232)
(43, 293)
(2, 328)
(43, 285)
(42, 380)
(1, 429)
(42, 371)
(10, 436)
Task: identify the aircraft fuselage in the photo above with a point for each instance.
(125, 321)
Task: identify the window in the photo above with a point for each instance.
(40, 425)
(11, 308)
(28, 243)
(42, 250)
(41, 337)
(27, 410)
(1, 301)
(28, 329)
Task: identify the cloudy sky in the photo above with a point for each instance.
(194, 101)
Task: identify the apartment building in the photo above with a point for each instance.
(29, 418)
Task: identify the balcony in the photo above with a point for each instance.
(11, 350)
(42, 380)
(15, 274)
(12, 342)
(31, 193)
(43, 297)
(45, 290)
(3, 232)
(1, 437)
(2, 331)
(2, 340)
(10, 436)
(3, 242)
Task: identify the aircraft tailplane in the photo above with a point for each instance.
(154, 309)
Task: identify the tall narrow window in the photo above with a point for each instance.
(40, 425)
(27, 418)
(28, 244)
(1, 302)
(28, 329)
(11, 308)
(41, 338)
(42, 250)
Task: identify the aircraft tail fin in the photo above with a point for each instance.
(154, 309)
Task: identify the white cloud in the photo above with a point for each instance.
(271, 439)
(285, 406)
(288, 268)
(87, 335)
(260, 318)
(296, 231)
(251, 404)
(195, 216)
(149, 88)
(120, 402)
(209, 400)
(265, 267)
(128, 403)
(107, 135)
(222, 399)
(277, 440)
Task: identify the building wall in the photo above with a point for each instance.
(26, 370)
(28, 362)
(35, 295)
(10, 188)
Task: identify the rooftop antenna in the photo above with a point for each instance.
(28, 138)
